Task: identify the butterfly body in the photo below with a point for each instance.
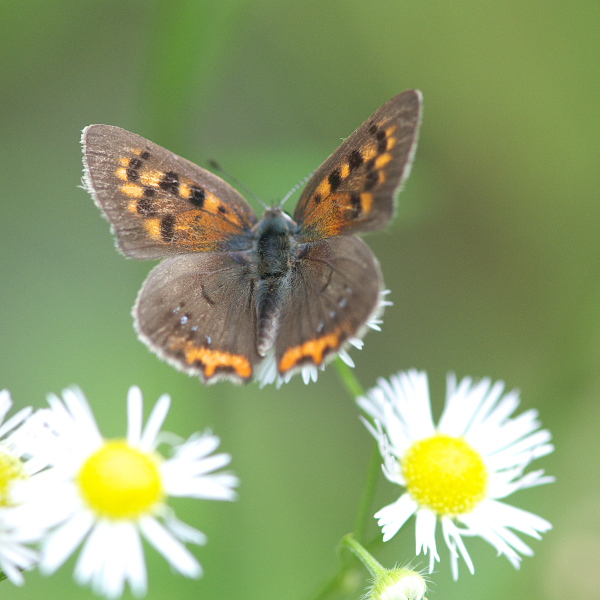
(235, 290)
(276, 254)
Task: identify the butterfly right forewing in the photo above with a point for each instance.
(354, 189)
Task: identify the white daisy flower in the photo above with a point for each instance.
(15, 556)
(456, 472)
(267, 372)
(105, 494)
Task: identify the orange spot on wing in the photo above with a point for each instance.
(228, 221)
(121, 173)
(184, 190)
(369, 151)
(382, 160)
(152, 178)
(132, 190)
(313, 349)
(213, 359)
(152, 226)
(366, 202)
(324, 189)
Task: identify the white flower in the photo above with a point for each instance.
(105, 494)
(457, 471)
(267, 372)
(15, 556)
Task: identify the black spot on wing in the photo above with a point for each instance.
(145, 207)
(167, 228)
(170, 182)
(335, 178)
(198, 196)
(355, 159)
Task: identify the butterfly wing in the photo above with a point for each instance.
(158, 203)
(354, 189)
(197, 312)
(334, 290)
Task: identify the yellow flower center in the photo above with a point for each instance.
(11, 468)
(445, 474)
(121, 482)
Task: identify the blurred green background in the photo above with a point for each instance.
(492, 259)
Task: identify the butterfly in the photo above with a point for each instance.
(237, 297)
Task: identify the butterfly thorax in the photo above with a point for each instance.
(275, 248)
(274, 243)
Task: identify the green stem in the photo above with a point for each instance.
(366, 501)
(337, 582)
(349, 379)
(367, 559)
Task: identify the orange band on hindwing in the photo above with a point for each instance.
(212, 360)
(315, 350)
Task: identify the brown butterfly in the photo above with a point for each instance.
(237, 297)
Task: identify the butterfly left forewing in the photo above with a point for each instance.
(158, 203)
(354, 189)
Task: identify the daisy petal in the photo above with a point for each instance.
(392, 517)
(164, 542)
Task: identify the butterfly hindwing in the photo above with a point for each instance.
(334, 290)
(353, 190)
(158, 203)
(197, 312)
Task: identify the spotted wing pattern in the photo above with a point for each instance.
(354, 189)
(158, 203)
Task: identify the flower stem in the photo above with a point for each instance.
(366, 501)
(367, 559)
(355, 389)
(349, 379)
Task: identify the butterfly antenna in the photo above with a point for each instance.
(215, 166)
(295, 188)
